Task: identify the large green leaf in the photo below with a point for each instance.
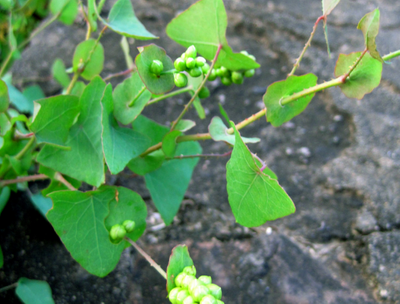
(120, 145)
(278, 114)
(68, 9)
(130, 98)
(369, 25)
(34, 292)
(122, 20)
(178, 260)
(4, 98)
(156, 84)
(218, 132)
(85, 160)
(204, 25)
(78, 218)
(364, 78)
(88, 50)
(53, 118)
(168, 184)
(254, 196)
(59, 73)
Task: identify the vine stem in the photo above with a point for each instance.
(200, 155)
(298, 60)
(391, 55)
(61, 179)
(174, 93)
(26, 148)
(29, 178)
(186, 108)
(5, 288)
(344, 77)
(148, 258)
(123, 73)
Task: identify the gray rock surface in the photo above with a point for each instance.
(339, 161)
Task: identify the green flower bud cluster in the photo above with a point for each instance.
(118, 231)
(190, 290)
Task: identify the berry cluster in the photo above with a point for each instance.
(190, 290)
(118, 231)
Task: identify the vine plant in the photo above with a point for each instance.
(75, 137)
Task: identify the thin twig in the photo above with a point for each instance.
(61, 179)
(29, 178)
(5, 288)
(123, 73)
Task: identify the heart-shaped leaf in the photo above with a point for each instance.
(178, 260)
(369, 25)
(88, 49)
(34, 292)
(218, 132)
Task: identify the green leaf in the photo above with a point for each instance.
(149, 163)
(85, 161)
(178, 260)
(59, 73)
(85, 50)
(155, 84)
(154, 131)
(122, 20)
(254, 197)
(130, 98)
(33, 92)
(4, 98)
(78, 89)
(53, 118)
(120, 145)
(328, 6)
(364, 78)
(369, 25)
(92, 16)
(199, 108)
(278, 114)
(18, 99)
(69, 9)
(169, 142)
(195, 82)
(43, 204)
(1, 259)
(4, 196)
(78, 219)
(204, 25)
(219, 132)
(223, 113)
(129, 206)
(168, 184)
(34, 292)
(184, 125)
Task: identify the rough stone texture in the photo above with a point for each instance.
(339, 161)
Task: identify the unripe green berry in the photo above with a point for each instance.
(129, 225)
(172, 294)
(156, 67)
(195, 72)
(218, 72)
(189, 300)
(190, 63)
(183, 56)
(117, 232)
(179, 278)
(200, 61)
(205, 68)
(213, 75)
(249, 73)
(224, 72)
(252, 57)
(190, 270)
(204, 93)
(226, 81)
(180, 80)
(193, 285)
(180, 64)
(191, 52)
(187, 280)
(205, 279)
(199, 292)
(208, 299)
(244, 53)
(215, 291)
(237, 77)
(182, 295)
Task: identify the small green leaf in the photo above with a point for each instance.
(218, 132)
(328, 6)
(184, 125)
(129, 206)
(18, 99)
(130, 98)
(178, 260)
(369, 25)
(169, 143)
(33, 92)
(168, 184)
(43, 204)
(92, 16)
(207, 33)
(78, 219)
(4, 196)
(278, 114)
(4, 98)
(85, 50)
(364, 78)
(34, 292)
(59, 73)
(254, 197)
(53, 118)
(156, 84)
(78, 89)
(122, 20)
(69, 9)
(120, 145)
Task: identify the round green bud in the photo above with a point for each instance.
(205, 68)
(252, 57)
(226, 81)
(187, 280)
(195, 72)
(244, 53)
(190, 63)
(180, 65)
(193, 285)
(200, 61)
(224, 72)
(183, 56)
(129, 225)
(215, 291)
(205, 279)
(208, 299)
(237, 77)
(182, 295)
(189, 300)
(199, 292)
(213, 75)
(117, 232)
(204, 93)
(172, 294)
(156, 67)
(180, 80)
(249, 73)
(179, 278)
(218, 72)
(190, 270)
(191, 52)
